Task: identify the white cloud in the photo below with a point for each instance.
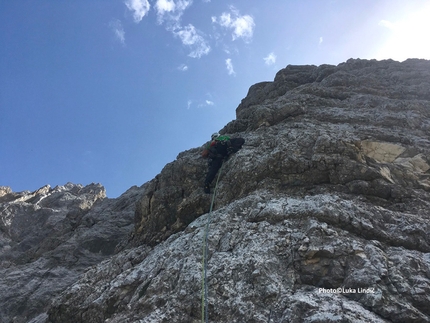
(163, 6)
(201, 103)
(188, 35)
(139, 7)
(171, 10)
(181, 5)
(270, 59)
(224, 20)
(191, 38)
(206, 103)
(169, 13)
(242, 26)
(118, 30)
(229, 66)
(321, 40)
(183, 67)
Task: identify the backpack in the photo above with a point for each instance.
(223, 138)
(233, 145)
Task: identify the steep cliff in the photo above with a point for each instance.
(323, 216)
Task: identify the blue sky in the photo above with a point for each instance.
(109, 91)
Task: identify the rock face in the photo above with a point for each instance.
(323, 216)
(49, 237)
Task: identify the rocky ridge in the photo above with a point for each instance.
(323, 216)
(49, 237)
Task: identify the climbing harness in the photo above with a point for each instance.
(205, 255)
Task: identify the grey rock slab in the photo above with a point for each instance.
(322, 216)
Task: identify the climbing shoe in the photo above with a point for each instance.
(207, 189)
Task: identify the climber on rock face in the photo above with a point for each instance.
(217, 151)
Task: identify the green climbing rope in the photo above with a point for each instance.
(205, 254)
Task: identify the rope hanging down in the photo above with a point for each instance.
(205, 255)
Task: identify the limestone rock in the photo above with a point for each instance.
(272, 256)
(4, 190)
(50, 236)
(322, 216)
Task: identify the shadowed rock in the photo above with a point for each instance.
(50, 236)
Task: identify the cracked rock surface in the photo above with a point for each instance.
(322, 216)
